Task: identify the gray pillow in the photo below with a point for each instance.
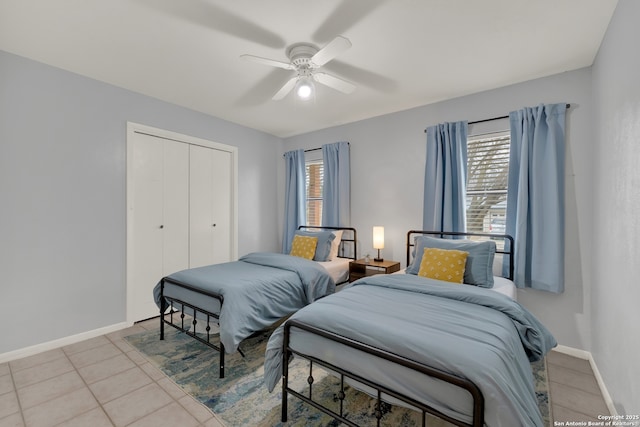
(479, 267)
(323, 248)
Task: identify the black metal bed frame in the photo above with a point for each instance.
(463, 383)
(507, 250)
(353, 240)
(474, 391)
(174, 305)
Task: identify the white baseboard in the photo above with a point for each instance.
(585, 355)
(50, 345)
(580, 354)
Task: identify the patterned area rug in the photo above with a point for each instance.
(241, 399)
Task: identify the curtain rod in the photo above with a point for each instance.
(310, 149)
(316, 149)
(494, 118)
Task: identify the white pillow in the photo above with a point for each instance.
(335, 244)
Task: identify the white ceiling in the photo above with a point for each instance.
(405, 53)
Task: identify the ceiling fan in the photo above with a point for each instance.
(305, 59)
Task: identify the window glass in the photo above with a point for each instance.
(314, 181)
(487, 178)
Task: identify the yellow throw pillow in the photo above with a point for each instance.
(443, 264)
(304, 246)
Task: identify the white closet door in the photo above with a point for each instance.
(210, 206)
(176, 207)
(160, 217)
(181, 209)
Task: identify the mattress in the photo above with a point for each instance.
(338, 269)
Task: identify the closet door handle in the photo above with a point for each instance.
(162, 226)
(214, 225)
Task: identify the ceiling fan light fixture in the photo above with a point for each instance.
(305, 59)
(304, 88)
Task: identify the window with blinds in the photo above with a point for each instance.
(314, 181)
(487, 175)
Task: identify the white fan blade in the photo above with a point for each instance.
(266, 61)
(330, 51)
(284, 90)
(334, 82)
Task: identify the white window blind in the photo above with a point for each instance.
(487, 175)
(314, 182)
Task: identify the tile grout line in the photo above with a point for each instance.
(153, 380)
(90, 391)
(15, 391)
(136, 366)
(87, 386)
(165, 376)
(186, 394)
(22, 410)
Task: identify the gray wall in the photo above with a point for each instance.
(387, 164)
(615, 269)
(62, 196)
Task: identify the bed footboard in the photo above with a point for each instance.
(185, 309)
(474, 391)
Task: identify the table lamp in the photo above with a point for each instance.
(378, 241)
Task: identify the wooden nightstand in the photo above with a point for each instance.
(360, 268)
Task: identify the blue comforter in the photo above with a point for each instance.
(468, 331)
(259, 289)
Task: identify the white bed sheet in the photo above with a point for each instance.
(338, 268)
(504, 286)
(500, 284)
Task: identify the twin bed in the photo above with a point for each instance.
(220, 305)
(458, 352)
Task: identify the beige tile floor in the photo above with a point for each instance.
(99, 382)
(104, 381)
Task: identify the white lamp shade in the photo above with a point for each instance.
(378, 237)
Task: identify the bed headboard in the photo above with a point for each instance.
(349, 238)
(504, 242)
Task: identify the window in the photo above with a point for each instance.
(487, 178)
(314, 180)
